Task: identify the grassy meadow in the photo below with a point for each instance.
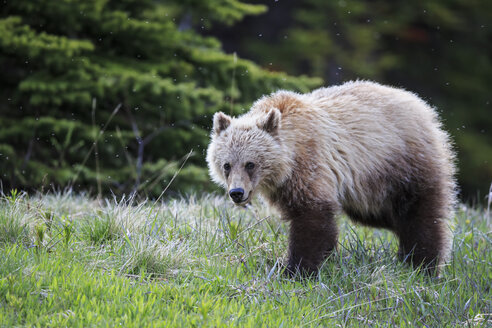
(74, 261)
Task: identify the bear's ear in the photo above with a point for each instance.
(271, 123)
(221, 122)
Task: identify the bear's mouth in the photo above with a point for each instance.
(244, 202)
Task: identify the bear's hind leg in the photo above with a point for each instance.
(313, 235)
(423, 232)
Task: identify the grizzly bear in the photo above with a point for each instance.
(375, 152)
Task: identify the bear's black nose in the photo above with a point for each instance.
(236, 194)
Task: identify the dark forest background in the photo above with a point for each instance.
(117, 96)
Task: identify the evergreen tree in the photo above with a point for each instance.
(113, 94)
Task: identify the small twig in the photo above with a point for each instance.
(174, 176)
(96, 152)
(154, 134)
(155, 180)
(140, 150)
(93, 145)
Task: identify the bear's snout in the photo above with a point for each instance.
(237, 194)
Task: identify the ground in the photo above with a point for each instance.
(69, 260)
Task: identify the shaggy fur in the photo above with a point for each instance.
(375, 152)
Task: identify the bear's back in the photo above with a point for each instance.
(356, 133)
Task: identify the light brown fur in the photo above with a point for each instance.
(378, 153)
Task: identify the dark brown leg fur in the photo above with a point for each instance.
(423, 231)
(416, 214)
(313, 234)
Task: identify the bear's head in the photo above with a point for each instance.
(246, 155)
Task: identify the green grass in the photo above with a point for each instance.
(68, 260)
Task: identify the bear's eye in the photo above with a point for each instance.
(250, 166)
(227, 167)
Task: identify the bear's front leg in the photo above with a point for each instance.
(313, 235)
